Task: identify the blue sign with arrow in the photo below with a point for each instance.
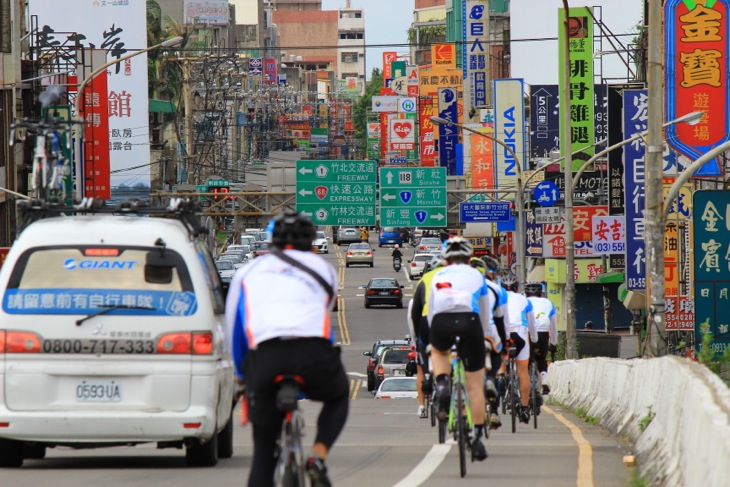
(471, 212)
(546, 193)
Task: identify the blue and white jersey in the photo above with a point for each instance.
(459, 288)
(521, 315)
(546, 318)
(269, 298)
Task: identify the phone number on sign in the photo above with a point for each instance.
(636, 282)
(99, 346)
(614, 247)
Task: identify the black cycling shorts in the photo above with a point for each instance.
(445, 327)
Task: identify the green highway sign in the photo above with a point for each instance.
(219, 183)
(338, 193)
(413, 196)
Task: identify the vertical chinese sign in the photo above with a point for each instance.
(711, 222)
(96, 138)
(697, 46)
(482, 161)
(581, 106)
(475, 56)
(635, 118)
(448, 109)
(118, 28)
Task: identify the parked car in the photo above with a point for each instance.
(246, 239)
(397, 388)
(392, 363)
(383, 290)
(155, 368)
(390, 236)
(236, 252)
(246, 249)
(234, 258)
(347, 235)
(374, 354)
(321, 243)
(359, 253)
(418, 263)
(428, 244)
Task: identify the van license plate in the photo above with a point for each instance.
(99, 391)
(400, 372)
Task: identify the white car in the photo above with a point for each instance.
(427, 244)
(321, 243)
(397, 388)
(113, 333)
(226, 269)
(417, 264)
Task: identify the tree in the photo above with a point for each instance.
(363, 104)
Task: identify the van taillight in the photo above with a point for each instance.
(174, 343)
(20, 342)
(196, 343)
(202, 343)
(2, 341)
(102, 252)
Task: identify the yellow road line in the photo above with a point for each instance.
(585, 450)
(342, 323)
(355, 385)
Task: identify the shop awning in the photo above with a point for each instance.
(611, 277)
(162, 106)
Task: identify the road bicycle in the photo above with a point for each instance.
(290, 465)
(512, 390)
(460, 422)
(535, 393)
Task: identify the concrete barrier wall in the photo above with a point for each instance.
(687, 442)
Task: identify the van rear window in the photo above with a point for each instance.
(66, 280)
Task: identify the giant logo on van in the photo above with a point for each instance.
(71, 264)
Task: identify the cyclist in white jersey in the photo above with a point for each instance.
(546, 322)
(277, 316)
(459, 306)
(522, 323)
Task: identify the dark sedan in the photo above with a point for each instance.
(383, 290)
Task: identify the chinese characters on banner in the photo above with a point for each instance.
(609, 234)
(117, 28)
(475, 53)
(482, 161)
(426, 133)
(711, 221)
(580, 37)
(96, 144)
(677, 261)
(697, 46)
(388, 58)
(635, 117)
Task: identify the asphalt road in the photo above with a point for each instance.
(384, 442)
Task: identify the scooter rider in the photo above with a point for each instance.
(396, 253)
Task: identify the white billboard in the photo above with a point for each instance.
(120, 28)
(400, 104)
(509, 123)
(210, 12)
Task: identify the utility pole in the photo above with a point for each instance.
(571, 349)
(654, 219)
(188, 119)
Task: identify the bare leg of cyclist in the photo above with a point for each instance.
(419, 382)
(523, 376)
(475, 390)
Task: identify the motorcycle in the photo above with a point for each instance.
(396, 264)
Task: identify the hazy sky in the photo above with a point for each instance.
(387, 21)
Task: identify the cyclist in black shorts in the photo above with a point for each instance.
(459, 306)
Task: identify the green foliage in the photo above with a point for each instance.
(719, 364)
(581, 412)
(427, 34)
(637, 480)
(646, 420)
(363, 104)
(593, 420)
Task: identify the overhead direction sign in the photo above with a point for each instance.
(413, 197)
(484, 212)
(340, 193)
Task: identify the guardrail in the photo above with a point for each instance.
(676, 412)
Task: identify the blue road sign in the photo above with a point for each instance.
(484, 212)
(711, 267)
(546, 193)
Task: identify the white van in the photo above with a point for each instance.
(112, 333)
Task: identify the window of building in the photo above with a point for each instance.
(351, 35)
(349, 57)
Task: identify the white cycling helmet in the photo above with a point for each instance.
(396, 246)
(457, 247)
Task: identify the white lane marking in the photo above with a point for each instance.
(357, 374)
(426, 467)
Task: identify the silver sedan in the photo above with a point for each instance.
(359, 253)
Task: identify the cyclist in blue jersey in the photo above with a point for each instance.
(459, 306)
(277, 315)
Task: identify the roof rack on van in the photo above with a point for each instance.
(184, 209)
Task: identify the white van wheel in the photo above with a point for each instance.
(202, 454)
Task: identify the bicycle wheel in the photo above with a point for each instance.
(512, 397)
(461, 427)
(442, 430)
(533, 394)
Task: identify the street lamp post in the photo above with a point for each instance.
(520, 238)
(80, 94)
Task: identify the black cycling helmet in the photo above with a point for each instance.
(510, 283)
(293, 229)
(491, 263)
(533, 289)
